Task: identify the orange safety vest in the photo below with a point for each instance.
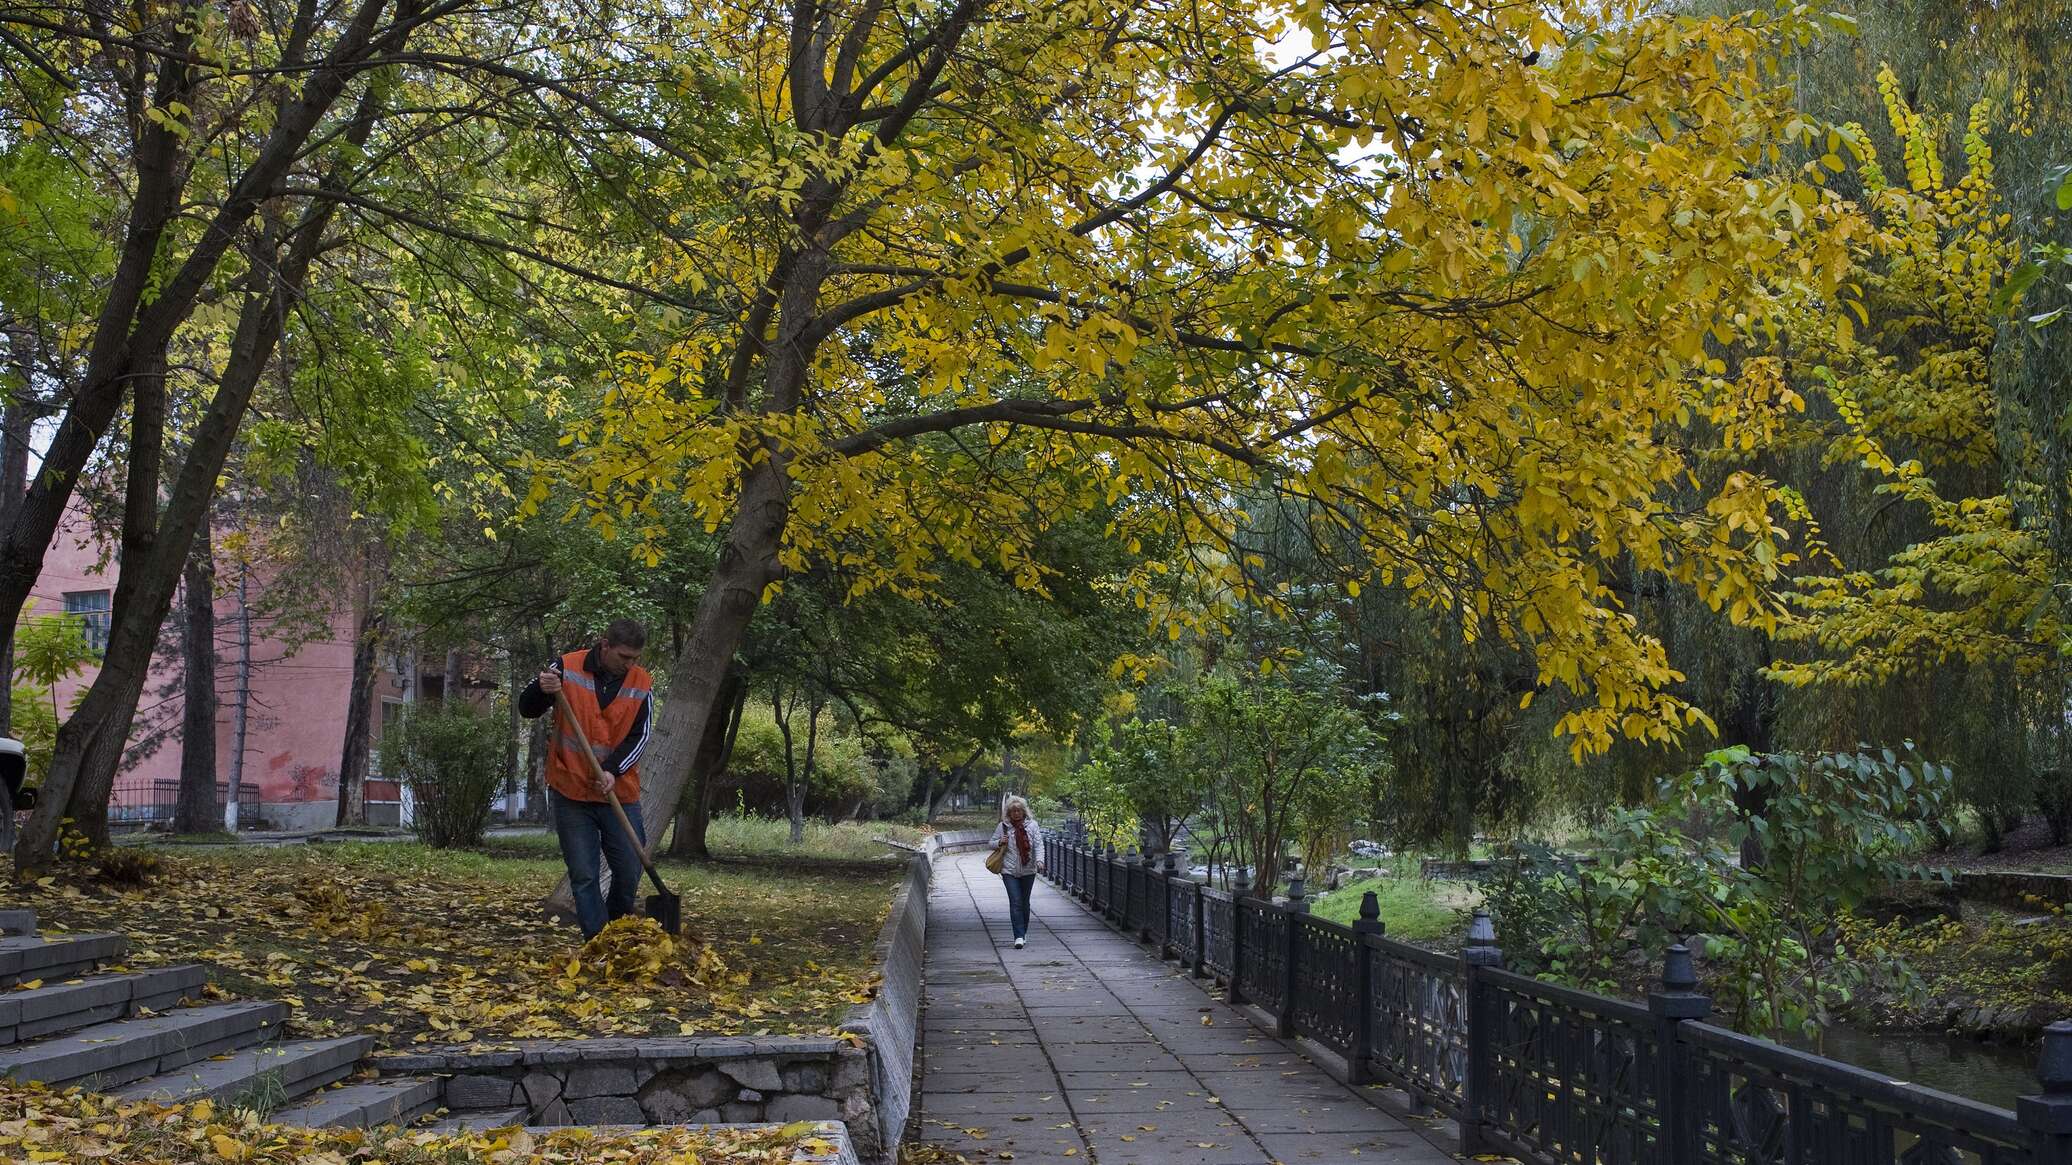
(601, 731)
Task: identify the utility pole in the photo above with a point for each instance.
(244, 696)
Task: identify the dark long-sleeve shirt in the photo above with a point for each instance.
(534, 703)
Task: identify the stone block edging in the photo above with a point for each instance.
(2013, 888)
(733, 1080)
(890, 1023)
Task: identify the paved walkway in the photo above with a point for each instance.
(1083, 1047)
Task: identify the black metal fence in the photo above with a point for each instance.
(150, 801)
(1548, 1073)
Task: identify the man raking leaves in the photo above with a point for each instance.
(593, 773)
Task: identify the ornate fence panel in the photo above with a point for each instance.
(1179, 921)
(1158, 907)
(1418, 1023)
(1558, 1076)
(1219, 924)
(1757, 1103)
(1264, 939)
(1572, 1076)
(1327, 982)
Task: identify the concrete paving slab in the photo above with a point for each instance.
(1087, 1042)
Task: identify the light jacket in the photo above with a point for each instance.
(604, 729)
(1014, 866)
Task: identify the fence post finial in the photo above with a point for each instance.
(1298, 901)
(1370, 921)
(1678, 997)
(1480, 950)
(2050, 1112)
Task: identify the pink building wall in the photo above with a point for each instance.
(295, 733)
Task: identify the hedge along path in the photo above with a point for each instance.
(74, 1127)
(416, 946)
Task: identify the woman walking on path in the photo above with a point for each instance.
(1023, 861)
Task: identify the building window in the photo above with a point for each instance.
(93, 609)
(391, 717)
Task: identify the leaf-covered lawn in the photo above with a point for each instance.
(75, 1128)
(422, 946)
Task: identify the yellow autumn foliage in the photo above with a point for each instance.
(1915, 412)
(1450, 274)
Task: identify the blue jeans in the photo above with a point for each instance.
(587, 828)
(1019, 887)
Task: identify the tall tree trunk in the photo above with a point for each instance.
(714, 752)
(97, 744)
(89, 746)
(145, 303)
(449, 678)
(1750, 724)
(195, 811)
(241, 716)
(359, 715)
(17, 414)
(536, 771)
(514, 731)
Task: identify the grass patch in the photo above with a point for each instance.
(747, 837)
(1414, 910)
(417, 945)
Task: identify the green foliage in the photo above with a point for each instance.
(1103, 803)
(1832, 830)
(1282, 759)
(36, 726)
(450, 757)
(1141, 779)
(48, 649)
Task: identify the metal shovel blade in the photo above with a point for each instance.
(667, 911)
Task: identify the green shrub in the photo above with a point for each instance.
(451, 759)
(1829, 831)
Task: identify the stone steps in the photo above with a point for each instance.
(261, 1077)
(24, 957)
(115, 1053)
(126, 1034)
(365, 1105)
(76, 1003)
(493, 1118)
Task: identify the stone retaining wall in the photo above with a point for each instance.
(891, 1023)
(2013, 889)
(687, 1080)
(732, 1080)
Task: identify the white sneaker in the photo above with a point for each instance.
(1019, 943)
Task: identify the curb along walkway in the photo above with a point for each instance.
(1084, 1047)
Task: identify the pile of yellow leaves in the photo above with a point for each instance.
(637, 952)
(78, 1128)
(421, 948)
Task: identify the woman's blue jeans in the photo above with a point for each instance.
(1019, 887)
